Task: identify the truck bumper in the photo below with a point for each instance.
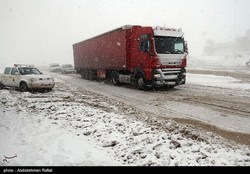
(169, 77)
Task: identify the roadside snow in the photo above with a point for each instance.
(219, 60)
(217, 81)
(71, 126)
(36, 141)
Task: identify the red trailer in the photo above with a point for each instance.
(142, 56)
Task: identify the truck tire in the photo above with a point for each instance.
(140, 82)
(89, 75)
(1, 86)
(115, 78)
(23, 87)
(82, 73)
(48, 89)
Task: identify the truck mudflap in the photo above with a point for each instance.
(169, 76)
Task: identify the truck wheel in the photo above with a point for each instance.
(83, 74)
(115, 78)
(141, 82)
(48, 89)
(170, 86)
(1, 86)
(88, 75)
(23, 87)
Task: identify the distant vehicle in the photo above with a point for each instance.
(26, 77)
(248, 63)
(142, 56)
(55, 67)
(67, 68)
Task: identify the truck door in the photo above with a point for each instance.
(141, 49)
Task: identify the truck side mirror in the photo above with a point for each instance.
(186, 47)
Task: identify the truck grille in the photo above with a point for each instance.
(171, 74)
(172, 63)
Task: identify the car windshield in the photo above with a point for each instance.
(27, 71)
(169, 45)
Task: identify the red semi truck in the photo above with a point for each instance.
(142, 56)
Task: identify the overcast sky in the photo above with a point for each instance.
(43, 31)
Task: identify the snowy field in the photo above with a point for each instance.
(74, 127)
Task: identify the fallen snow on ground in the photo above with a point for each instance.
(217, 81)
(71, 126)
(219, 60)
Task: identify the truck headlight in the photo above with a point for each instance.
(157, 76)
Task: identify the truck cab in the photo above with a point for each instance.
(161, 57)
(25, 77)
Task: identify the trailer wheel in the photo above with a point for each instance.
(115, 78)
(23, 87)
(85, 74)
(90, 75)
(82, 74)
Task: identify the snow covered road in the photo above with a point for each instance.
(220, 101)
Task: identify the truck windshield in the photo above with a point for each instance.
(169, 45)
(27, 71)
